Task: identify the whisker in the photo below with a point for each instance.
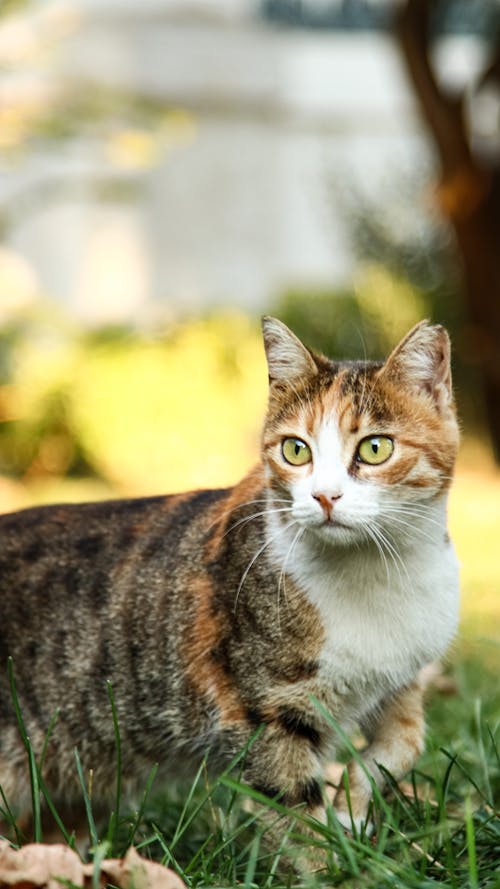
(281, 579)
(395, 555)
(256, 515)
(391, 512)
(369, 531)
(266, 500)
(254, 558)
(416, 531)
(391, 551)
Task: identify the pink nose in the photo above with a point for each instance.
(327, 502)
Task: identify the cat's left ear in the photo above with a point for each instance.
(287, 358)
(422, 362)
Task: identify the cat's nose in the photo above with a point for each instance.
(327, 501)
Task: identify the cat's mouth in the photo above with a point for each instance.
(334, 522)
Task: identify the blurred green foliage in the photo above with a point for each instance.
(143, 412)
(365, 322)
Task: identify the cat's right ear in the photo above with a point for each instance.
(287, 358)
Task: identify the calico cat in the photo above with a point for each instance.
(326, 575)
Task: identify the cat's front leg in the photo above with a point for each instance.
(396, 739)
(287, 770)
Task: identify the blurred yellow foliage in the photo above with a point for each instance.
(169, 417)
(389, 302)
(474, 527)
(150, 415)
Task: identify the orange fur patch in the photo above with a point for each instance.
(203, 671)
(251, 488)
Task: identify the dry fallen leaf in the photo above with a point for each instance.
(42, 866)
(39, 865)
(134, 872)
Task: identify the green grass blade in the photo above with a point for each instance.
(38, 786)
(208, 793)
(9, 817)
(494, 744)
(181, 824)
(100, 854)
(48, 734)
(168, 858)
(35, 795)
(87, 803)
(140, 813)
(55, 814)
(115, 818)
(251, 867)
(482, 750)
(15, 702)
(471, 846)
(466, 774)
(33, 769)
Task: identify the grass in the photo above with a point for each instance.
(441, 825)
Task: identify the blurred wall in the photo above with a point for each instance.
(234, 194)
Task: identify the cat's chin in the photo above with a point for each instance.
(335, 533)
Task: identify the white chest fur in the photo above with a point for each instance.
(383, 618)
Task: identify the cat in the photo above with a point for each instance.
(326, 575)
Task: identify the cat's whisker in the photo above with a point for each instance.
(371, 536)
(245, 503)
(282, 575)
(269, 540)
(424, 508)
(391, 511)
(398, 560)
(256, 515)
(413, 529)
(393, 553)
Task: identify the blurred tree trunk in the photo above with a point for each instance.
(469, 194)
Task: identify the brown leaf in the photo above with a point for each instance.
(42, 866)
(37, 865)
(134, 872)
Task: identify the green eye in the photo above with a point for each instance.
(376, 449)
(296, 451)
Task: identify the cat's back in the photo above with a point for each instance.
(46, 539)
(76, 565)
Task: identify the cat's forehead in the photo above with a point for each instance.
(345, 391)
(352, 393)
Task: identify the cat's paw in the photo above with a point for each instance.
(354, 824)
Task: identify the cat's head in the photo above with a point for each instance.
(361, 445)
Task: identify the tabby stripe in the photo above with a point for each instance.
(309, 792)
(294, 723)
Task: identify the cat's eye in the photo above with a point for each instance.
(296, 451)
(375, 449)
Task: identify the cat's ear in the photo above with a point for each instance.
(287, 358)
(422, 362)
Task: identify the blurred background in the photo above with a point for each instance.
(172, 169)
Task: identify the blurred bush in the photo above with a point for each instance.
(143, 413)
(365, 322)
